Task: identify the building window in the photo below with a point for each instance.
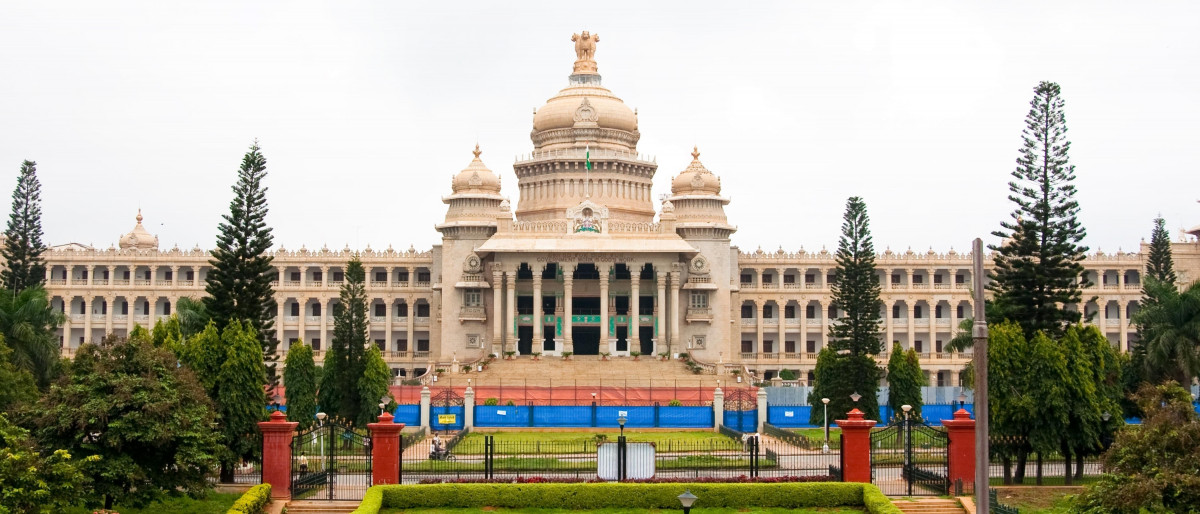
(937, 346)
(166, 308)
(168, 275)
(295, 276)
(339, 276)
(810, 346)
(423, 276)
(768, 311)
(316, 309)
(917, 312)
(190, 276)
(472, 298)
(295, 308)
(402, 345)
(920, 346)
(789, 312)
(789, 347)
(937, 279)
(895, 279)
(316, 344)
(768, 346)
(937, 312)
(747, 311)
(747, 278)
(960, 311)
(381, 344)
(960, 278)
(747, 346)
(810, 311)
(832, 312)
(789, 279)
(402, 310)
(768, 278)
(124, 275)
(895, 311)
(699, 300)
(124, 308)
(145, 308)
(918, 279)
(422, 310)
(316, 276)
(146, 274)
(380, 310)
(402, 276)
(381, 276)
(422, 345)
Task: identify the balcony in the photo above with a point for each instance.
(400, 283)
(398, 354)
(471, 313)
(120, 282)
(1112, 322)
(400, 320)
(792, 322)
(141, 281)
(899, 322)
(748, 356)
(375, 284)
(749, 322)
(812, 285)
(695, 314)
(921, 285)
(791, 285)
(422, 321)
(58, 281)
(943, 322)
(122, 318)
(422, 284)
(100, 317)
(291, 320)
(941, 286)
(791, 355)
(312, 319)
(922, 322)
(813, 321)
(378, 319)
(100, 282)
(141, 318)
(771, 322)
(810, 356)
(1111, 286)
(76, 318)
(421, 354)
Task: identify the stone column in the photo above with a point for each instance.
(961, 430)
(762, 408)
(389, 312)
(324, 277)
(280, 327)
(411, 330)
(856, 447)
(325, 312)
(568, 292)
(385, 450)
(912, 325)
(781, 304)
(468, 407)
(87, 319)
(538, 339)
(1124, 327)
(153, 275)
(802, 337)
(91, 272)
(302, 319)
(605, 337)
(277, 454)
(110, 304)
(426, 400)
(174, 276)
(497, 312)
(634, 337)
(760, 308)
(718, 408)
(510, 318)
(660, 311)
(675, 285)
(887, 308)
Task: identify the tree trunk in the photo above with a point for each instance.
(1007, 460)
(1039, 468)
(1078, 465)
(1066, 451)
(1022, 457)
(108, 502)
(226, 473)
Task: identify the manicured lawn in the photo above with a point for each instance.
(214, 503)
(584, 442)
(818, 434)
(839, 510)
(1039, 500)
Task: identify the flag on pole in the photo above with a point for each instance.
(587, 157)
(587, 164)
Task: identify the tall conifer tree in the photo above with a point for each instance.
(344, 362)
(239, 284)
(1160, 265)
(1039, 266)
(23, 247)
(856, 335)
(300, 379)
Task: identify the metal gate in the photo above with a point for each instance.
(910, 458)
(741, 410)
(331, 462)
(446, 411)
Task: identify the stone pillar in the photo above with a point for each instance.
(760, 308)
(568, 292)
(385, 450)
(411, 329)
(511, 313)
(605, 336)
(174, 276)
(468, 407)
(675, 286)
(497, 312)
(324, 277)
(1124, 327)
(660, 311)
(961, 430)
(426, 400)
(389, 313)
(277, 454)
(325, 312)
(912, 325)
(538, 338)
(87, 319)
(887, 311)
(718, 409)
(302, 320)
(279, 324)
(781, 304)
(762, 408)
(110, 306)
(634, 337)
(856, 447)
(91, 274)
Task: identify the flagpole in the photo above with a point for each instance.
(587, 166)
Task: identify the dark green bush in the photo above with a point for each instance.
(609, 495)
(253, 502)
(491, 401)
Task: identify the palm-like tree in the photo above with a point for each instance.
(193, 316)
(1170, 327)
(28, 324)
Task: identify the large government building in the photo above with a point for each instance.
(585, 261)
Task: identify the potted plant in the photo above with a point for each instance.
(509, 355)
(664, 356)
(604, 355)
(683, 356)
(536, 355)
(635, 355)
(567, 355)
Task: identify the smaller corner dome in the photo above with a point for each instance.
(476, 177)
(139, 238)
(696, 179)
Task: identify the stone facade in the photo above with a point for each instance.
(586, 264)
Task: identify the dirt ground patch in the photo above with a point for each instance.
(1034, 497)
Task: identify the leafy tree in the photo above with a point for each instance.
(344, 363)
(32, 483)
(372, 386)
(905, 379)
(839, 376)
(192, 314)
(300, 379)
(1160, 266)
(147, 418)
(23, 247)
(1038, 268)
(1170, 328)
(1155, 467)
(28, 325)
(18, 387)
(1027, 404)
(1104, 366)
(239, 284)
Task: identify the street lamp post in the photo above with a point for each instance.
(962, 399)
(907, 473)
(825, 449)
(321, 426)
(687, 499)
(622, 458)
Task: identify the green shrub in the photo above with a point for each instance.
(581, 496)
(877, 503)
(787, 374)
(491, 401)
(371, 502)
(674, 403)
(253, 502)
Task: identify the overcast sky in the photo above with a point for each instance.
(365, 110)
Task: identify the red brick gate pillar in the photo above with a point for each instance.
(961, 430)
(277, 454)
(385, 450)
(856, 447)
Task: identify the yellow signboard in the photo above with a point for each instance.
(447, 419)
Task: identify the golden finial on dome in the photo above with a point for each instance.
(695, 152)
(477, 151)
(139, 216)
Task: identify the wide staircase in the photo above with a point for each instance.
(926, 506)
(646, 371)
(321, 507)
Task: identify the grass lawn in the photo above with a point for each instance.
(838, 510)
(1038, 500)
(1047, 481)
(214, 503)
(584, 442)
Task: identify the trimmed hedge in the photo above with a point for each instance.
(584, 496)
(253, 502)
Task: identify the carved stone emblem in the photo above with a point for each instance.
(699, 265)
(475, 180)
(586, 113)
(697, 181)
(472, 264)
